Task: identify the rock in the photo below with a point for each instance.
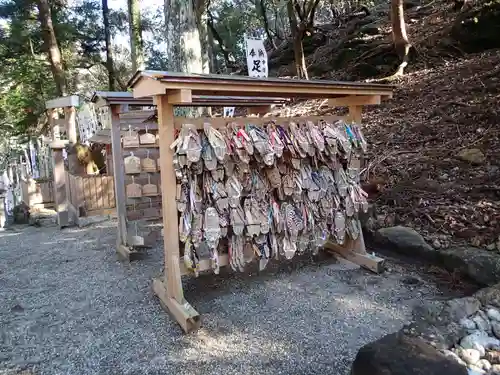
(472, 155)
(437, 321)
(454, 356)
(480, 341)
(495, 326)
(436, 244)
(21, 213)
(467, 324)
(480, 265)
(482, 323)
(370, 29)
(489, 296)
(495, 369)
(398, 354)
(405, 241)
(474, 370)
(484, 364)
(460, 308)
(493, 356)
(470, 356)
(491, 247)
(493, 314)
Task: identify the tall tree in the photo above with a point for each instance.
(109, 53)
(135, 30)
(183, 36)
(51, 46)
(260, 6)
(301, 18)
(399, 36)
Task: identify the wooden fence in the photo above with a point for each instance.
(36, 192)
(92, 195)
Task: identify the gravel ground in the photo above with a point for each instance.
(69, 307)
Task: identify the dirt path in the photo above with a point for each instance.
(69, 307)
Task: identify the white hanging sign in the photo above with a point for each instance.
(35, 173)
(228, 111)
(256, 58)
(256, 63)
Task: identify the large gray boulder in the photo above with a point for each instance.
(405, 241)
(399, 354)
(480, 265)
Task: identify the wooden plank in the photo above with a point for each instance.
(112, 192)
(87, 194)
(123, 252)
(182, 312)
(118, 176)
(65, 101)
(81, 198)
(168, 188)
(352, 100)
(365, 260)
(105, 191)
(99, 192)
(147, 83)
(221, 122)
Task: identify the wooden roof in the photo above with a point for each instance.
(103, 98)
(148, 83)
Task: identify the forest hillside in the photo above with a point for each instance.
(434, 157)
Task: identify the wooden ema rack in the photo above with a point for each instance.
(126, 110)
(174, 89)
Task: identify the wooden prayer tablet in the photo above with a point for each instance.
(147, 139)
(130, 140)
(132, 164)
(150, 190)
(134, 190)
(148, 165)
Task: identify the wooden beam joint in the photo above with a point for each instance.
(354, 100)
(179, 96)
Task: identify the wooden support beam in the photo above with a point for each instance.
(354, 114)
(221, 122)
(179, 96)
(184, 313)
(352, 100)
(365, 260)
(168, 188)
(119, 180)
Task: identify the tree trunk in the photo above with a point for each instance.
(298, 48)
(109, 53)
(201, 23)
(135, 30)
(261, 8)
(183, 37)
(51, 46)
(213, 66)
(399, 36)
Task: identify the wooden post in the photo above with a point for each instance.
(60, 197)
(119, 179)
(169, 289)
(70, 116)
